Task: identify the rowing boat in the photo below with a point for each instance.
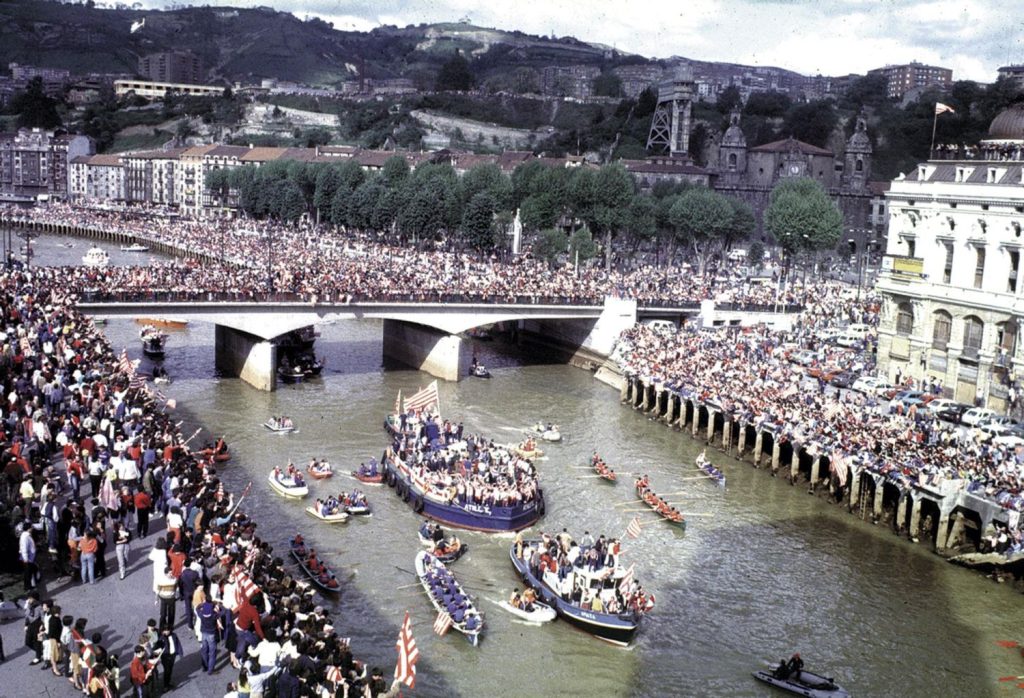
(672, 516)
(287, 486)
(339, 517)
(367, 479)
(323, 577)
(705, 466)
(276, 426)
(446, 594)
(318, 474)
(804, 683)
(166, 323)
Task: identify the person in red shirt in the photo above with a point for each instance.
(143, 505)
(177, 558)
(141, 672)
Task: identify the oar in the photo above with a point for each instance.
(695, 513)
(591, 477)
(1007, 643)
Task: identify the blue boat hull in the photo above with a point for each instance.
(489, 519)
(617, 629)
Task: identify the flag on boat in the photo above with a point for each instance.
(840, 468)
(626, 580)
(443, 623)
(423, 399)
(634, 528)
(408, 654)
(941, 108)
(398, 402)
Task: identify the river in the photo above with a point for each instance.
(763, 571)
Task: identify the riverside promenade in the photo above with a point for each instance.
(118, 609)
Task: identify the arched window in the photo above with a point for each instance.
(974, 331)
(859, 167)
(904, 319)
(732, 161)
(942, 327)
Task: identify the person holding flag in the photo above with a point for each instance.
(940, 108)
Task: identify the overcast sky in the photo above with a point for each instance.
(831, 37)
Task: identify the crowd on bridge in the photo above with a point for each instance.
(88, 455)
(746, 373)
(245, 259)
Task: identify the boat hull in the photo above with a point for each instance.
(331, 519)
(423, 565)
(287, 491)
(804, 689)
(473, 517)
(616, 629)
(318, 476)
(542, 613)
(368, 479)
(309, 573)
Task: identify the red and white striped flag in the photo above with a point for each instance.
(136, 381)
(626, 580)
(408, 654)
(840, 467)
(125, 364)
(443, 623)
(634, 528)
(423, 399)
(941, 108)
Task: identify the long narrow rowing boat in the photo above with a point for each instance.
(166, 323)
(648, 497)
(312, 565)
(705, 466)
(446, 594)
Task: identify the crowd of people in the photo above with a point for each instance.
(747, 374)
(322, 263)
(87, 459)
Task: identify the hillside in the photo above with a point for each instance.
(249, 44)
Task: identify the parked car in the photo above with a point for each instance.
(998, 425)
(953, 413)
(866, 384)
(976, 415)
(907, 398)
(1013, 437)
(828, 334)
(843, 379)
(938, 404)
(804, 357)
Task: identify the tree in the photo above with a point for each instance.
(699, 139)
(455, 75)
(478, 228)
(288, 204)
(743, 223)
(549, 244)
(613, 192)
(643, 225)
(729, 99)
(538, 211)
(341, 206)
(218, 183)
(802, 217)
(524, 178)
(362, 205)
(702, 218)
(812, 122)
(34, 108)
(581, 246)
(487, 178)
(327, 184)
(395, 171)
(768, 104)
(608, 84)
(755, 254)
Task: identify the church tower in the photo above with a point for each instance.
(732, 151)
(857, 163)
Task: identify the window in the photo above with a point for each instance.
(947, 270)
(979, 267)
(911, 247)
(859, 166)
(941, 329)
(974, 329)
(732, 161)
(1006, 336)
(1011, 281)
(904, 319)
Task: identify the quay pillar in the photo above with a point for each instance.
(901, 513)
(956, 532)
(644, 401)
(758, 448)
(776, 455)
(741, 445)
(879, 496)
(854, 489)
(624, 390)
(659, 395)
(816, 466)
(247, 356)
(726, 434)
(915, 520)
(440, 354)
(696, 420)
(711, 425)
(670, 410)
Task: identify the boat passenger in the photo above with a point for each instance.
(795, 665)
(515, 600)
(782, 670)
(472, 622)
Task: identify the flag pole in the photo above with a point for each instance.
(935, 122)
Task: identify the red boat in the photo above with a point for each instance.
(318, 474)
(368, 479)
(658, 505)
(602, 469)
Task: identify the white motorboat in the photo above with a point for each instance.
(541, 613)
(290, 487)
(96, 257)
(134, 247)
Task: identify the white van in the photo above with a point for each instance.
(853, 335)
(661, 326)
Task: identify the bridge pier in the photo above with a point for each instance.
(440, 354)
(247, 356)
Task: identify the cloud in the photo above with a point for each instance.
(833, 37)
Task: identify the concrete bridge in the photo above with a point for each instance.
(423, 335)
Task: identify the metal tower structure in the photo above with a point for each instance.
(670, 126)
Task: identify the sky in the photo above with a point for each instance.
(828, 37)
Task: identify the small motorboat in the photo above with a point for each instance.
(338, 516)
(479, 371)
(134, 247)
(539, 613)
(153, 341)
(705, 466)
(293, 487)
(444, 549)
(367, 478)
(281, 425)
(547, 432)
(290, 374)
(527, 450)
(362, 509)
(804, 683)
(320, 471)
(96, 257)
(441, 587)
(312, 565)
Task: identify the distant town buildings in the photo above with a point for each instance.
(159, 90)
(1013, 72)
(27, 72)
(903, 78)
(172, 66)
(575, 81)
(34, 163)
(953, 298)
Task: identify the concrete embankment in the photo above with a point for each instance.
(945, 515)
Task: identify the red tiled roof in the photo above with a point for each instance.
(787, 144)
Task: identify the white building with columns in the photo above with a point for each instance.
(953, 301)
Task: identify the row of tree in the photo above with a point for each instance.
(475, 211)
